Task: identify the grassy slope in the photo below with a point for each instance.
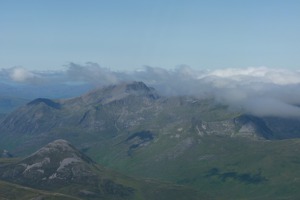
(222, 167)
(11, 191)
(112, 185)
(226, 167)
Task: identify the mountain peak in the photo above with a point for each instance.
(137, 86)
(45, 101)
(60, 145)
(120, 91)
(59, 149)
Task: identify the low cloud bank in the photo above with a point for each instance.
(260, 91)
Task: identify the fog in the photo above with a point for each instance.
(259, 91)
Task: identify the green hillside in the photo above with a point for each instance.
(17, 192)
(234, 168)
(60, 170)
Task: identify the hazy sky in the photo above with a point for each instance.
(127, 34)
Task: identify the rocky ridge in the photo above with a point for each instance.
(58, 165)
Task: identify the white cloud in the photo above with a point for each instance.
(258, 74)
(91, 72)
(259, 91)
(20, 74)
(270, 107)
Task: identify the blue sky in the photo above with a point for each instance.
(128, 34)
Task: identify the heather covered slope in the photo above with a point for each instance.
(233, 168)
(217, 167)
(60, 168)
(17, 192)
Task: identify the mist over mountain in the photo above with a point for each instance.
(259, 91)
(133, 107)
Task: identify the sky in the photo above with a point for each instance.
(243, 54)
(127, 35)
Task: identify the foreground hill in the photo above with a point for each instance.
(65, 173)
(184, 140)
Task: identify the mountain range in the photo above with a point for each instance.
(189, 142)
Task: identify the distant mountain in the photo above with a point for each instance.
(115, 109)
(43, 115)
